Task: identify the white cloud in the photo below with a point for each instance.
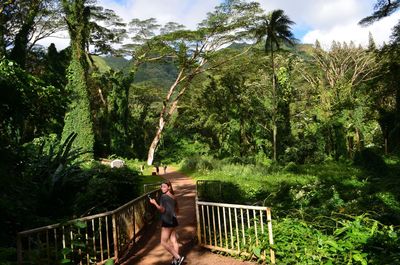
(61, 41)
(186, 12)
(325, 20)
(380, 31)
(328, 20)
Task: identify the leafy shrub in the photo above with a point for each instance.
(351, 240)
(291, 167)
(107, 189)
(197, 163)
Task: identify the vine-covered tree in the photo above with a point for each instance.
(78, 117)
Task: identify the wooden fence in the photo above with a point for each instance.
(88, 240)
(235, 229)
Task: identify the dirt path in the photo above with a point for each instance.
(150, 252)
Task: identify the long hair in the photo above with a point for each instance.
(168, 183)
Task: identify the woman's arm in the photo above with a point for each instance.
(159, 207)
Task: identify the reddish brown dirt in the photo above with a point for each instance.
(148, 251)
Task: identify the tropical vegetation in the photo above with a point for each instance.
(313, 132)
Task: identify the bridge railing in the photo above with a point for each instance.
(235, 229)
(88, 240)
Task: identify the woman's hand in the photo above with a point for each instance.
(152, 201)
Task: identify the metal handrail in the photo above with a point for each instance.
(234, 228)
(104, 236)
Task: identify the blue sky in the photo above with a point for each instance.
(325, 20)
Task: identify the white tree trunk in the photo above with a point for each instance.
(154, 143)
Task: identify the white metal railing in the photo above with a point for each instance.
(88, 240)
(235, 229)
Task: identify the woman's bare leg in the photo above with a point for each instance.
(165, 236)
(174, 240)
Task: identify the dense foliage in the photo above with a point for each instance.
(306, 130)
(331, 213)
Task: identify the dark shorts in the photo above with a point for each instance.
(174, 223)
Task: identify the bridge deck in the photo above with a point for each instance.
(148, 251)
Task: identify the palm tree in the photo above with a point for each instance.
(275, 27)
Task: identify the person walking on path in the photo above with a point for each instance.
(168, 208)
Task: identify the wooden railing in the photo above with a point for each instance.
(88, 240)
(235, 229)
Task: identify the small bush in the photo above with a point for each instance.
(291, 167)
(197, 163)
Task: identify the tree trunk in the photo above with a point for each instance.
(154, 143)
(275, 107)
(20, 49)
(166, 112)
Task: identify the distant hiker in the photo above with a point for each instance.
(165, 169)
(168, 208)
(157, 166)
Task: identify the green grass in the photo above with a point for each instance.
(328, 213)
(321, 188)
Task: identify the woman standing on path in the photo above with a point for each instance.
(169, 208)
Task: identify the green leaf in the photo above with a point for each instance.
(257, 252)
(109, 262)
(360, 258)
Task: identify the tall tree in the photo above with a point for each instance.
(337, 76)
(78, 117)
(383, 8)
(194, 52)
(25, 22)
(275, 27)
